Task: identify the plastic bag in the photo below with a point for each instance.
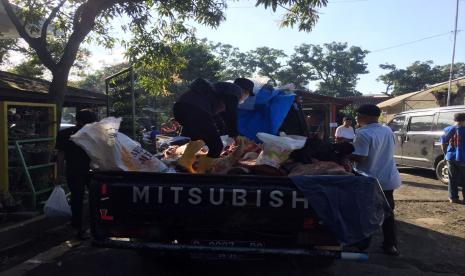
(57, 204)
(227, 141)
(276, 149)
(111, 150)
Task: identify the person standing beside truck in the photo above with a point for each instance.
(345, 132)
(77, 167)
(196, 109)
(453, 146)
(374, 155)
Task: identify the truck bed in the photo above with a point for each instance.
(206, 213)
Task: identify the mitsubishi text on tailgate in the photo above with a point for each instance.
(208, 215)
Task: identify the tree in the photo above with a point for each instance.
(266, 61)
(416, 76)
(335, 65)
(6, 46)
(298, 70)
(33, 67)
(200, 62)
(96, 80)
(234, 62)
(154, 24)
(338, 66)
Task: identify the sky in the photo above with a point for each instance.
(422, 28)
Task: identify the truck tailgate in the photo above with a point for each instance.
(201, 209)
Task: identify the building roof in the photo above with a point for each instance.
(432, 88)
(396, 100)
(15, 87)
(311, 97)
(366, 99)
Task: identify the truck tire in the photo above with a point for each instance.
(442, 173)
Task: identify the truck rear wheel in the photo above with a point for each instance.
(441, 172)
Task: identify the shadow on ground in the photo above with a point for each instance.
(425, 185)
(418, 172)
(423, 252)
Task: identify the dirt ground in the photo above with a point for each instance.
(431, 233)
(423, 201)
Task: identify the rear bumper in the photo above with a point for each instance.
(185, 248)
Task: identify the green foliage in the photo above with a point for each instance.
(6, 46)
(267, 61)
(96, 80)
(156, 27)
(200, 61)
(303, 13)
(31, 67)
(335, 65)
(298, 70)
(234, 62)
(417, 76)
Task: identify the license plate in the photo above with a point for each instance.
(229, 243)
(226, 255)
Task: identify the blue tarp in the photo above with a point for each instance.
(264, 112)
(351, 206)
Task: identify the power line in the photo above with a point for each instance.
(413, 41)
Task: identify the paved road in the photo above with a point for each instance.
(425, 250)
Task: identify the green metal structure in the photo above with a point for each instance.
(33, 192)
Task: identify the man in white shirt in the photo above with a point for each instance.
(345, 132)
(374, 155)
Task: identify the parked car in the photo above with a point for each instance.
(418, 135)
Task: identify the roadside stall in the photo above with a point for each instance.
(28, 128)
(321, 113)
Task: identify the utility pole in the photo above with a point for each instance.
(451, 71)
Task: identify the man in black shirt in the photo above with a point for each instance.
(77, 166)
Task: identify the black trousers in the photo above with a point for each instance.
(389, 224)
(77, 185)
(199, 125)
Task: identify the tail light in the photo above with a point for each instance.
(309, 224)
(104, 189)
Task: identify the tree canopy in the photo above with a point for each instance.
(417, 76)
(155, 26)
(336, 65)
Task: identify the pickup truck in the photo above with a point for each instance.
(233, 216)
(211, 216)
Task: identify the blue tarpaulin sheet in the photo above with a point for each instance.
(265, 112)
(352, 207)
